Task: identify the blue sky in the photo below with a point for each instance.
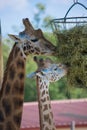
(13, 11)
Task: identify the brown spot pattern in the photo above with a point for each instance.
(43, 100)
(7, 88)
(45, 107)
(48, 98)
(51, 114)
(46, 117)
(41, 86)
(12, 72)
(21, 75)
(20, 63)
(18, 88)
(1, 116)
(7, 106)
(18, 102)
(43, 93)
(49, 106)
(1, 127)
(10, 126)
(47, 128)
(17, 119)
(17, 50)
(49, 121)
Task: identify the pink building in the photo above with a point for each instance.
(65, 112)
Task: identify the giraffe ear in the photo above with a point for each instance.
(15, 38)
(31, 75)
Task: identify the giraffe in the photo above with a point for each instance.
(47, 72)
(12, 91)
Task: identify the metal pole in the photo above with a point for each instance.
(72, 125)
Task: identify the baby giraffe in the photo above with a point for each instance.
(30, 41)
(47, 72)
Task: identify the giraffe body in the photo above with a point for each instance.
(46, 114)
(12, 90)
(47, 72)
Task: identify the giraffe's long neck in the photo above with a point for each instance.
(45, 111)
(12, 92)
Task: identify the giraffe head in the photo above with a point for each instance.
(46, 68)
(33, 41)
(54, 72)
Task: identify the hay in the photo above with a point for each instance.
(72, 50)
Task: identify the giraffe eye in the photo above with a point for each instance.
(55, 69)
(34, 40)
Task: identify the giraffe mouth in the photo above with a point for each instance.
(49, 53)
(66, 69)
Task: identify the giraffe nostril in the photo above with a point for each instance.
(28, 47)
(24, 48)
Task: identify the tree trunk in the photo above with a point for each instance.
(1, 59)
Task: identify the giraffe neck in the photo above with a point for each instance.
(12, 92)
(45, 111)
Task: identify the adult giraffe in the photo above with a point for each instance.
(12, 90)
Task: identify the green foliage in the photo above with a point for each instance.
(58, 90)
(39, 17)
(46, 22)
(40, 8)
(30, 90)
(5, 52)
(72, 50)
(30, 85)
(50, 37)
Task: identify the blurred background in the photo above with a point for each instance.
(39, 13)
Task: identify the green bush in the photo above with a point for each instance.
(72, 50)
(58, 90)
